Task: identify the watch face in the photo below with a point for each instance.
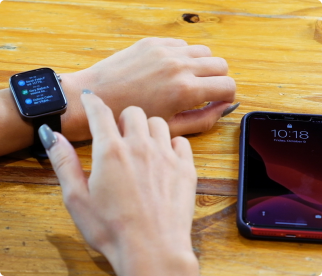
(38, 92)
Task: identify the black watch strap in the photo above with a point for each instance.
(53, 121)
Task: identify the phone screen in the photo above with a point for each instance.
(283, 172)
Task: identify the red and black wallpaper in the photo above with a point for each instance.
(284, 173)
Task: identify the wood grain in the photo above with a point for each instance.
(274, 49)
(38, 237)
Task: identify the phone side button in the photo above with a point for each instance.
(290, 236)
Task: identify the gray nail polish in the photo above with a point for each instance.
(47, 137)
(87, 91)
(230, 109)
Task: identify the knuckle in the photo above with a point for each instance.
(174, 65)
(222, 65)
(183, 86)
(113, 149)
(153, 41)
(205, 50)
(182, 42)
(206, 125)
(230, 86)
(173, 160)
(96, 239)
(71, 198)
(157, 121)
(149, 41)
(134, 109)
(145, 147)
(131, 111)
(159, 52)
(184, 142)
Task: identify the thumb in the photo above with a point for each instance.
(66, 164)
(199, 120)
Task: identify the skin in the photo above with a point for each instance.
(137, 206)
(163, 76)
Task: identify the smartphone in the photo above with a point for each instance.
(280, 177)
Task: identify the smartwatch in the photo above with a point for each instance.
(40, 99)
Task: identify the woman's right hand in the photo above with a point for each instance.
(138, 203)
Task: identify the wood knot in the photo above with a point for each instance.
(318, 31)
(191, 17)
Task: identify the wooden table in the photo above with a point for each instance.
(275, 54)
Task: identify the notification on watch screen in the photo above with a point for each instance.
(38, 92)
(38, 89)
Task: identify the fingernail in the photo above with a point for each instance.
(47, 136)
(230, 109)
(87, 91)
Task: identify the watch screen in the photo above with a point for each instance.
(37, 92)
(283, 172)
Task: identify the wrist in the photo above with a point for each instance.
(154, 262)
(142, 257)
(15, 132)
(74, 121)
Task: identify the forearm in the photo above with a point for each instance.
(15, 133)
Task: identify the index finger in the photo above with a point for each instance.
(100, 117)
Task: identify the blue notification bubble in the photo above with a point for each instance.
(28, 101)
(21, 83)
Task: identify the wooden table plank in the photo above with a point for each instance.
(38, 237)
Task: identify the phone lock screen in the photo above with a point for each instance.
(281, 163)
